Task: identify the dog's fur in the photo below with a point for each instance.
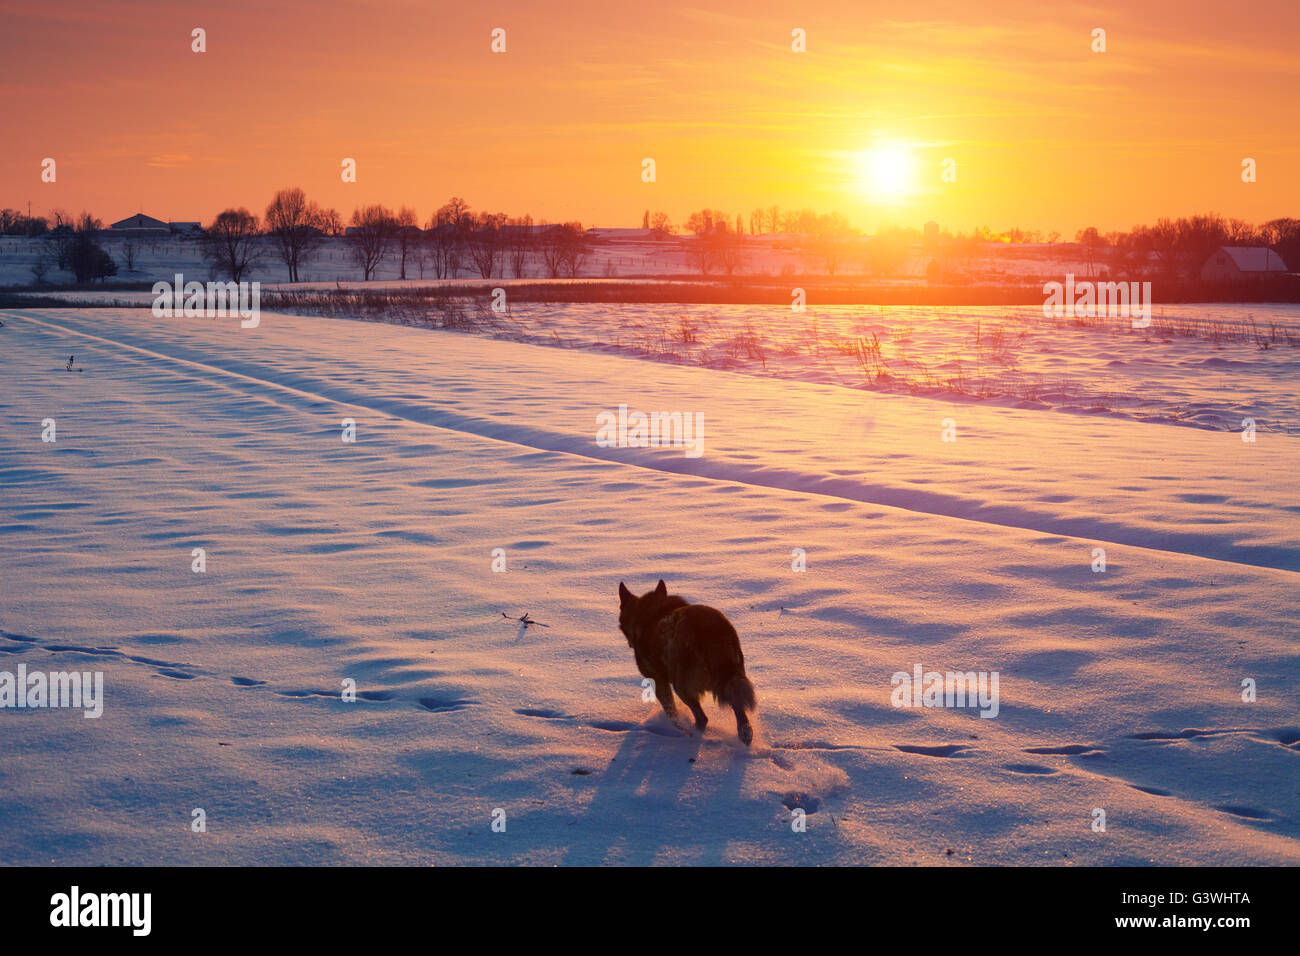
(690, 649)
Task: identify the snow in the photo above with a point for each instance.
(372, 561)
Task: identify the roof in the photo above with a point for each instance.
(139, 221)
(1253, 258)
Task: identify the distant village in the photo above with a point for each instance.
(297, 241)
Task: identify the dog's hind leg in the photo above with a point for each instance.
(701, 719)
(664, 691)
(743, 729)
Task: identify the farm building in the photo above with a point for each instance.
(141, 225)
(1242, 262)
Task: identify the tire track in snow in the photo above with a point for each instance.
(275, 386)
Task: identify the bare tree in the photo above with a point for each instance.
(519, 244)
(576, 249)
(408, 233)
(712, 243)
(331, 223)
(445, 236)
(486, 244)
(831, 237)
(371, 236)
(564, 249)
(231, 243)
(1091, 242)
(661, 223)
(443, 241)
(297, 225)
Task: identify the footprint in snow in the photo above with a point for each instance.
(945, 750)
(798, 800)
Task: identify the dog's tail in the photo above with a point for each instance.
(738, 694)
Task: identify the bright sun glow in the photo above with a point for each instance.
(886, 172)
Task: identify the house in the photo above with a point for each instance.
(1242, 262)
(139, 225)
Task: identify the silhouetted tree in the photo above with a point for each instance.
(79, 250)
(486, 243)
(297, 225)
(519, 244)
(232, 242)
(407, 234)
(371, 237)
(831, 240)
(564, 249)
(445, 236)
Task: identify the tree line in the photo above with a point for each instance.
(1177, 248)
(455, 238)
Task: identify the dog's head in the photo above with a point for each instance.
(633, 611)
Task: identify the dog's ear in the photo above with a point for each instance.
(661, 590)
(625, 597)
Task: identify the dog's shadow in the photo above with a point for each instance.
(639, 807)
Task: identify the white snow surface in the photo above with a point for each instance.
(371, 561)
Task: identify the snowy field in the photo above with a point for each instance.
(372, 561)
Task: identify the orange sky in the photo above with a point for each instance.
(1046, 134)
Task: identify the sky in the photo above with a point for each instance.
(1042, 132)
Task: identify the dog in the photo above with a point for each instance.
(690, 649)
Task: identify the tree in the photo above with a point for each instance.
(297, 225)
(1283, 236)
(727, 248)
(519, 244)
(1199, 237)
(831, 238)
(645, 220)
(1091, 242)
(79, 250)
(407, 233)
(446, 234)
(576, 249)
(371, 236)
(701, 224)
(231, 244)
(564, 249)
(486, 243)
(331, 223)
(706, 221)
(661, 223)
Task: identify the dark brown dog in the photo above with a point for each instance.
(690, 649)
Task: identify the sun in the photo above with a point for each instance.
(886, 172)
